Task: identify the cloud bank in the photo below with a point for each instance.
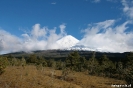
(102, 35)
(106, 36)
(38, 39)
(109, 37)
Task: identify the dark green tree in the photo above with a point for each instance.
(73, 58)
(120, 70)
(93, 65)
(41, 60)
(82, 66)
(75, 62)
(128, 68)
(51, 63)
(32, 58)
(107, 67)
(59, 65)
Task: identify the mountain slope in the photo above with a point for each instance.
(67, 42)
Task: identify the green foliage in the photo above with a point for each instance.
(39, 67)
(51, 63)
(59, 65)
(65, 73)
(93, 64)
(23, 62)
(75, 61)
(81, 66)
(73, 58)
(10, 56)
(128, 69)
(120, 67)
(15, 62)
(107, 67)
(101, 66)
(32, 58)
(41, 60)
(3, 63)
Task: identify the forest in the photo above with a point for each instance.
(74, 70)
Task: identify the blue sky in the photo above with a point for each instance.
(22, 14)
(17, 17)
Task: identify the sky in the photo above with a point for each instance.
(35, 24)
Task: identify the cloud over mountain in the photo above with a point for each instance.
(38, 39)
(108, 37)
(102, 35)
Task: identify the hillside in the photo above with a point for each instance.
(62, 54)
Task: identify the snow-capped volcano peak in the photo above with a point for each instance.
(67, 41)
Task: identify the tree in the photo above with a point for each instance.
(128, 68)
(93, 64)
(59, 65)
(73, 58)
(106, 65)
(120, 69)
(41, 60)
(75, 61)
(51, 63)
(32, 58)
(82, 64)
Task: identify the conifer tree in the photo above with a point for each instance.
(32, 59)
(93, 64)
(72, 60)
(128, 69)
(106, 65)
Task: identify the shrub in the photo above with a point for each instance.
(3, 64)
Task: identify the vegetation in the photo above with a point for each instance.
(71, 72)
(3, 64)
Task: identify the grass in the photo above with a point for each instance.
(30, 77)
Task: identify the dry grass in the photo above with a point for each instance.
(30, 77)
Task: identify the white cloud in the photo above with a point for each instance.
(94, 28)
(96, 1)
(113, 1)
(9, 42)
(53, 3)
(62, 28)
(128, 8)
(38, 32)
(107, 37)
(37, 39)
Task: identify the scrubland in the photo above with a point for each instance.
(45, 77)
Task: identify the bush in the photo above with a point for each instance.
(3, 64)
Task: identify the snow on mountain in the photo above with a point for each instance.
(67, 42)
(70, 43)
(82, 47)
(85, 48)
